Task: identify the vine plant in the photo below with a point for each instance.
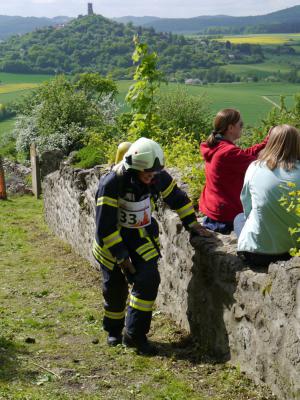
(141, 95)
(292, 203)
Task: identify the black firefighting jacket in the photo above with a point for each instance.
(113, 243)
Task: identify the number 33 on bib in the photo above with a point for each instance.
(134, 214)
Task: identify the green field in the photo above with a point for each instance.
(264, 68)
(254, 100)
(12, 96)
(12, 88)
(249, 98)
(7, 78)
(14, 85)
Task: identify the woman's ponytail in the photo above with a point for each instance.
(212, 140)
(224, 118)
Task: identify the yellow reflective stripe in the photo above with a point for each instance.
(169, 189)
(145, 302)
(142, 232)
(99, 253)
(140, 250)
(112, 239)
(188, 212)
(150, 254)
(103, 260)
(109, 201)
(192, 224)
(185, 210)
(114, 315)
(142, 305)
(105, 252)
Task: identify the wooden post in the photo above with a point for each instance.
(35, 172)
(3, 195)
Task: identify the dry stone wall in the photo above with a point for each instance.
(250, 317)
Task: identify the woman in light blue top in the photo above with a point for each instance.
(263, 229)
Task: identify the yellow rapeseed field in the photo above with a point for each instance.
(16, 87)
(261, 39)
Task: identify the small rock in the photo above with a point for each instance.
(30, 340)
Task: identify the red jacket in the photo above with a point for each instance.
(225, 167)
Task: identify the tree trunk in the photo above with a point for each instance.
(3, 195)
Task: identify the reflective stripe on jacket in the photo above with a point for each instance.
(114, 243)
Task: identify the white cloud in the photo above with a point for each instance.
(43, 1)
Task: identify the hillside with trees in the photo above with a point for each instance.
(283, 21)
(96, 44)
(14, 25)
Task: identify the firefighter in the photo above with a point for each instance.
(127, 240)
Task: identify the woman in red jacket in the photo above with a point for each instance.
(225, 167)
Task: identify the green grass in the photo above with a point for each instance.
(51, 342)
(22, 78)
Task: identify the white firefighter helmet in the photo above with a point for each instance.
(144, 155)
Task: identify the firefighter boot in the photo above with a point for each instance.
(141, 344)
(113, 339)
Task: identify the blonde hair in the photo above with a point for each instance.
(224, 118)
(282, 149)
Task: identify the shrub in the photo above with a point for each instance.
(183, 153)
(179, 110)
(89, 156)
(101, 148)
(60, 115)
(27, 132)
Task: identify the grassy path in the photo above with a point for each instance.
(271, 101)
(51, 342)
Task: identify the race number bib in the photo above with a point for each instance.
(134, 214)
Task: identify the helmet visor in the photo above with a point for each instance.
(157, 166)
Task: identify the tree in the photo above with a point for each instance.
(228, 44)
(59, 114)
(94, 84)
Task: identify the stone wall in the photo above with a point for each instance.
(16, 178)
(249, 317)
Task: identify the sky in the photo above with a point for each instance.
(159, 8)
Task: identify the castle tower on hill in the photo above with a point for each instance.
(90, 9)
